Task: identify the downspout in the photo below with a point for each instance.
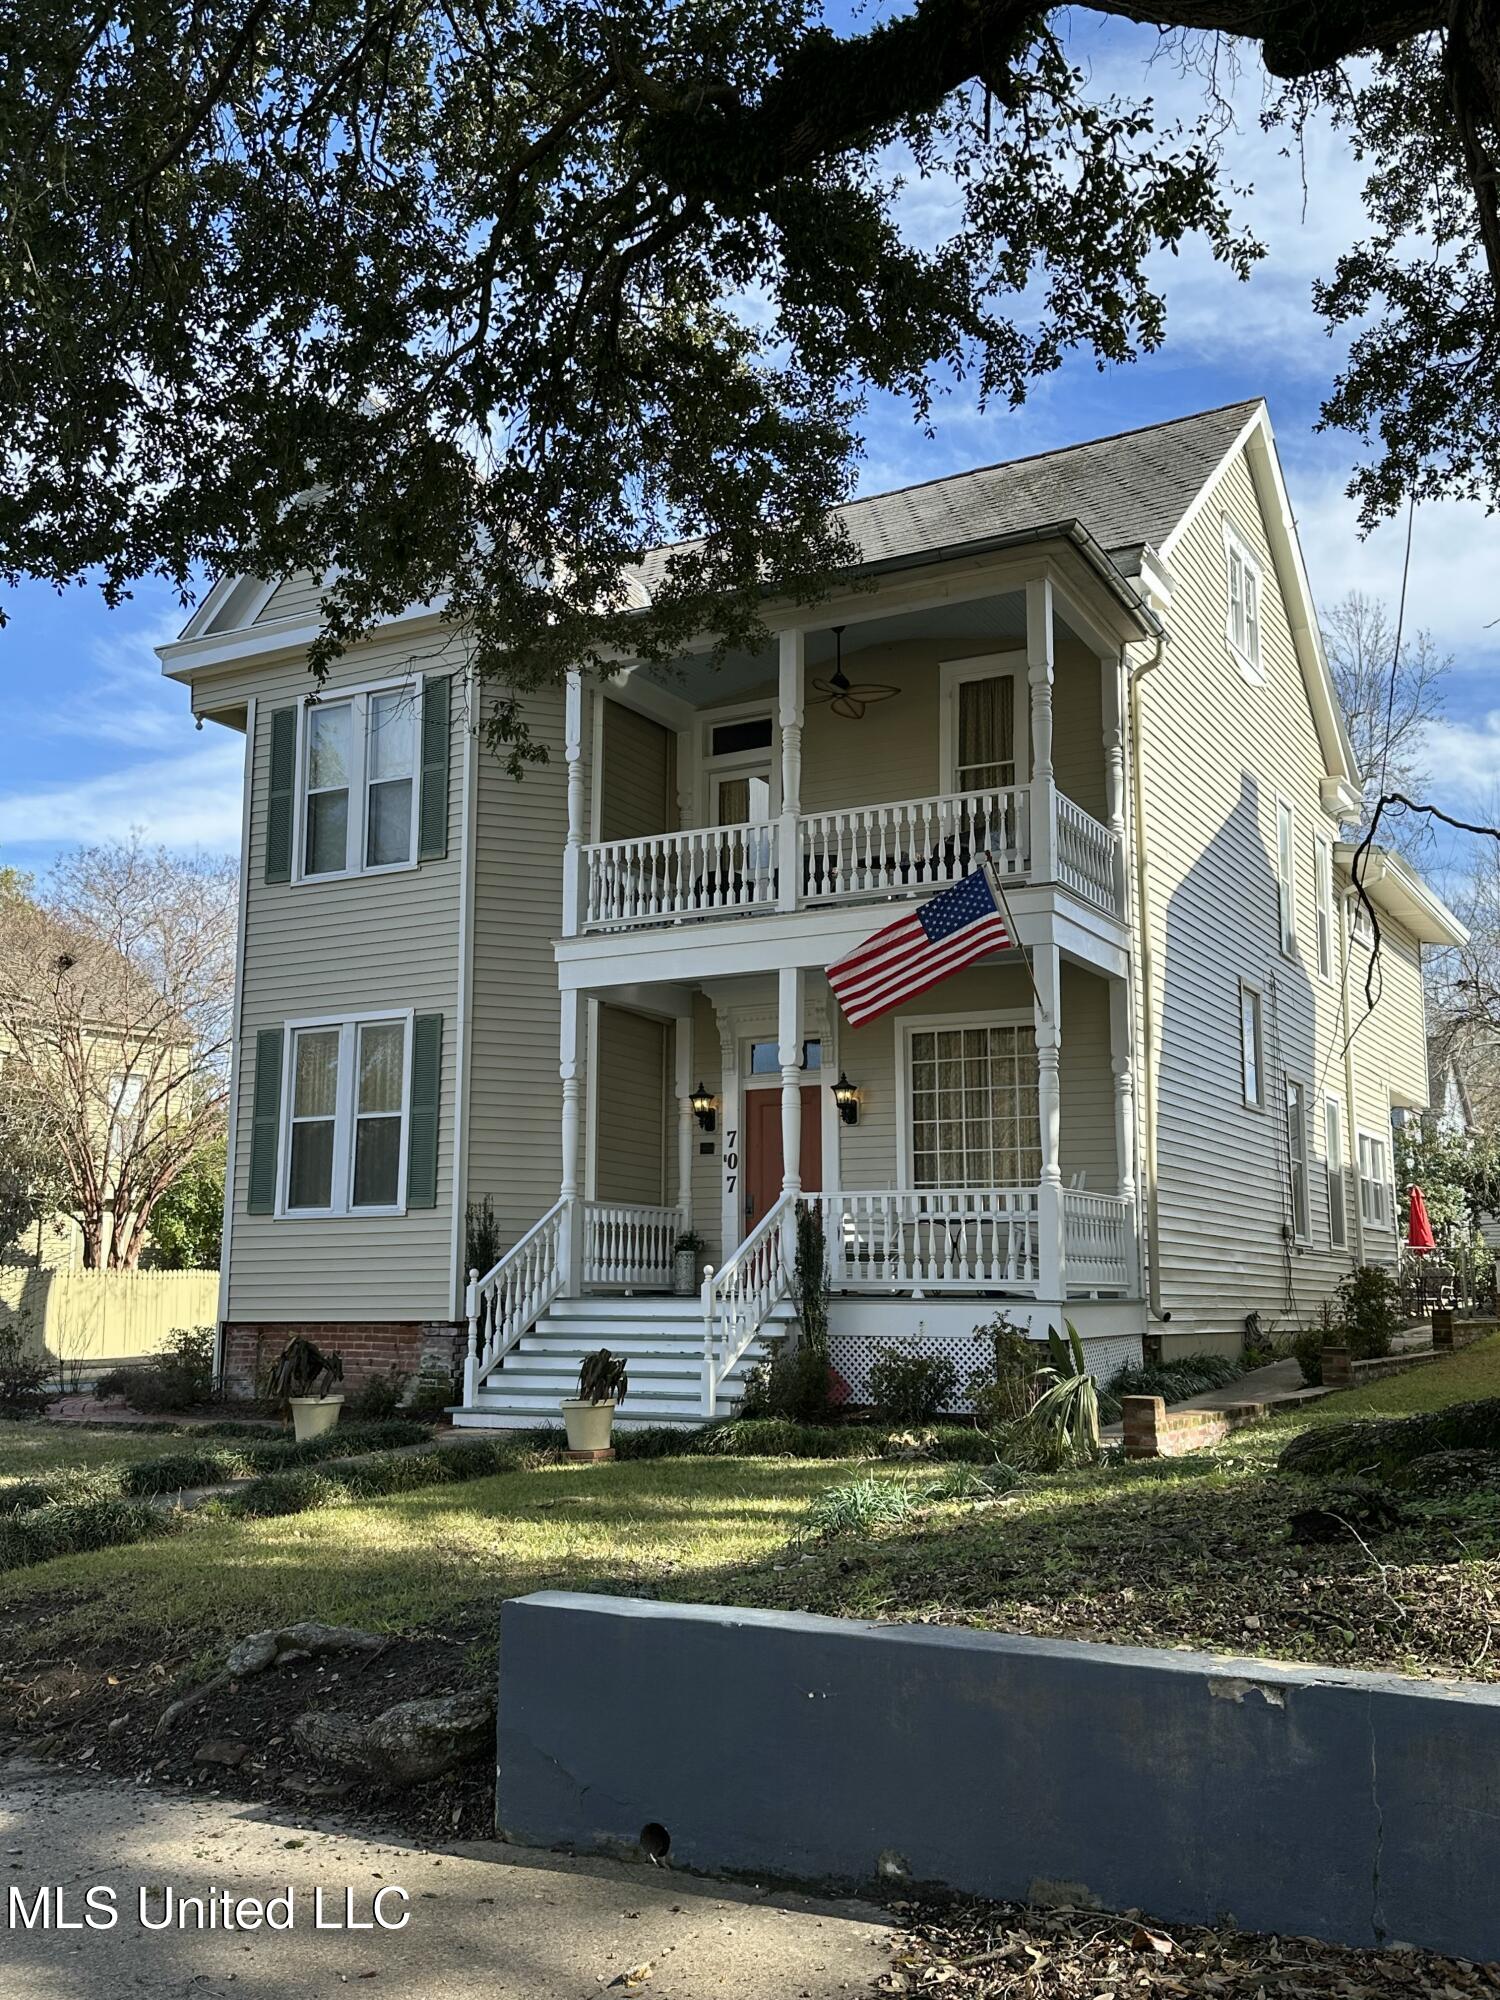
(1147, 965)
(1350, 1139)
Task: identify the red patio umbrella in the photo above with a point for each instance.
(1419, 1236)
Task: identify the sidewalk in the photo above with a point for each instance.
(487, 1922)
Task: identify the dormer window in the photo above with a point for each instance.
(1242, 628)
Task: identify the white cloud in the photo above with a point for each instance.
(1465, 761)
(123, 698)
(189, 801)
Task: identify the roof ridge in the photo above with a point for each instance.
(1053, 451)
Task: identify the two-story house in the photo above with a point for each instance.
(598, 996)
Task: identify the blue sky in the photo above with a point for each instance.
(96, 742)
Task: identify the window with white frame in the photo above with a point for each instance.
(1333, 1161)
(1242, 628)
(984, 727)
(1376, 1195)
(1296, 1153)
(346, 1117)
(1252, 1046)
(1360, 930)
(973, 1105)
(1286, 875)
(359, 781)
(1323, 890)
(125, 1094)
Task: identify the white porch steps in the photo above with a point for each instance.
(661, 1339)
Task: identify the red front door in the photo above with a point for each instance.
(763, 1148)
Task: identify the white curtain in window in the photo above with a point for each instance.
(974, 1114)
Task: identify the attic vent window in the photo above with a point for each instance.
(1242, 625)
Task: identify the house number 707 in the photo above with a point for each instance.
(731, 1161)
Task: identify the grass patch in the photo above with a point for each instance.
(36, 1451)
(860, 1506)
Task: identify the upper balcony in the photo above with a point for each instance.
(871, 759)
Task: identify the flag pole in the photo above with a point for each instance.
(993, 875)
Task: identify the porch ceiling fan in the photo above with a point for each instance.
(846, 697)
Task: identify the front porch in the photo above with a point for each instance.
(963, 1165)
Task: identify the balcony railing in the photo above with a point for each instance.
(857, 852)
(932, 1239)
(1097, 1241)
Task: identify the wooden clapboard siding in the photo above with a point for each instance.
(339, 948)
(297, 597)
(638, 778)
(631, 1090)
(1219, 752)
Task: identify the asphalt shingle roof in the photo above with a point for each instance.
(1125, 490)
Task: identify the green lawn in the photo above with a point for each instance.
(420, 1559)
(1180, 1552)
(27, 1451)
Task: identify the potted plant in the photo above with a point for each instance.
(686, 1252)
(301, 1377)
(590, 1414)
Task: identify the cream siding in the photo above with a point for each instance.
(637, 788)
(631, 1107)
(297, 597)
(515, 1097)
(1220, 751)
(336, 948)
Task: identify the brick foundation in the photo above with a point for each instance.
(1153, 1431)
(368, 1347)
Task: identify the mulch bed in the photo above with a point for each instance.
(982, 1951)
(98, 1714)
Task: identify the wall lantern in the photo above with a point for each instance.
(704, 1111)
(846, 1097)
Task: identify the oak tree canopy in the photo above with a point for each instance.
(488, 296)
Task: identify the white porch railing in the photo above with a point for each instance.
(913, 843)
(508, 1300)
(1087, 857)
(1097, 1233)
(738, 1296)
(628, 1243)
(661, 876)
(932, 1239)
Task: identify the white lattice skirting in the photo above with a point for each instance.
(853, 1353)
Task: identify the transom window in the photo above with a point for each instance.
(346, 1116)
(765, 1057)
(1243, 625)
(974, 1113)
(359, 784)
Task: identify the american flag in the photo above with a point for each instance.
(922, 947)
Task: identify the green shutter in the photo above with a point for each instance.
(432, 831)
(280, 796)
(422, 1132)
(265, 1125)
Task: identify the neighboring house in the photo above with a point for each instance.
(598, 996)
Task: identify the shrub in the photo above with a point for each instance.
(657, 1441)
(285, 1493)
(1307, 1350)
(1369, 1311)
(858, 1508)
(436, 1392)
(65, 1528)
(792, 1384)
(23, 1374)
(1003, 1390)
(377, 1397)
(1381, 1445)
(810, 1280)
(974, 1482)
(1174, 1381)
(114, 1382)
(1063, 1424)
(181, 1377)
(912, 1388)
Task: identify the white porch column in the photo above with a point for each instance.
(573, 894)
(789, 1040)
(1046, 969)
(1123, 1063)
(571, 1044)
(1039, 674)
(682, 1062)
(791, 676)
(1112, 671)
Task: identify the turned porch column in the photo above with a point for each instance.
(571, 1043)
(682, 1063)
(1122, 1061)
(791, 673)
(789, 1038)
(1039, 676)
(573, 886)
(1046, 968)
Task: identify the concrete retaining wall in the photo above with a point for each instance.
(1362, 1808)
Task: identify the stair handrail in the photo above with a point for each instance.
(742, 1293)
(512, 1296)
